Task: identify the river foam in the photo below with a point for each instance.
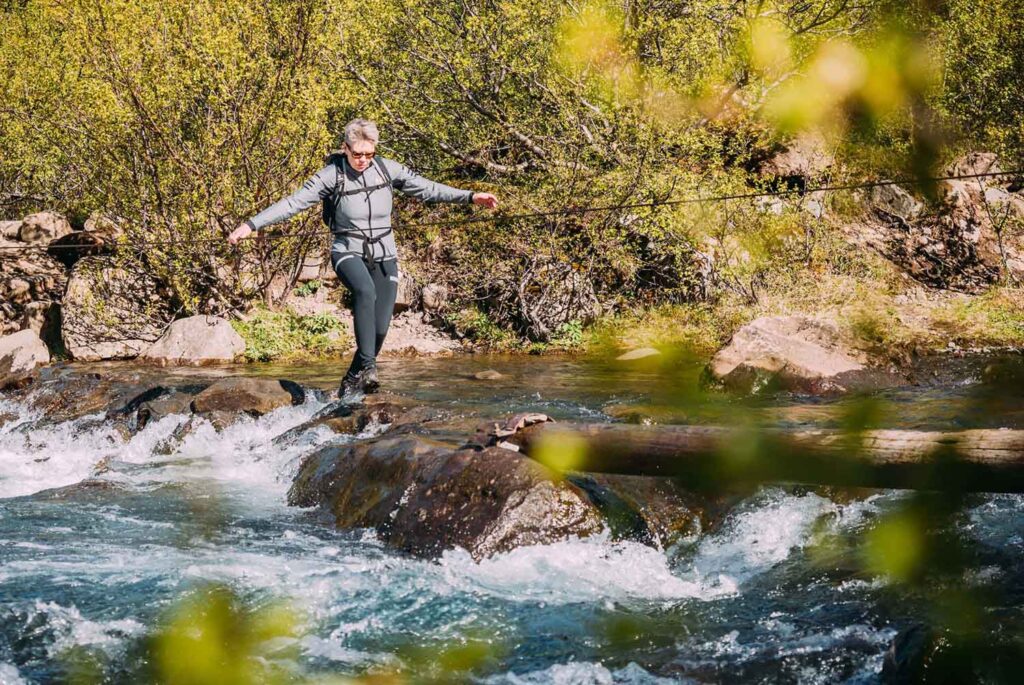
(35, 455)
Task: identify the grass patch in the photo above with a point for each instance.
(481, 330)
(696, 329)
(287, 336)
(993, 319)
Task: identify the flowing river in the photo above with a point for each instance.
(94, 568)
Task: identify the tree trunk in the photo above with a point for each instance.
(716, 457)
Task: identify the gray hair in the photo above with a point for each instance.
(361, 129)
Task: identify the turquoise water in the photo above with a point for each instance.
(100, 535)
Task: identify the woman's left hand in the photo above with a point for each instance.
(485, 200)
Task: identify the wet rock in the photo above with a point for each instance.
(631, 413)
(351, 419)
(20, 354)
(920, 654)
(253, 396)
(111, 313)
(195, 341)
(792, 354)
(654, 511)
(43, 227)
(92, 489)
(642, 353)
(173, 404)
(73, 396)
(422, 497)
(488, 375)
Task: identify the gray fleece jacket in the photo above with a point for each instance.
(367, 212)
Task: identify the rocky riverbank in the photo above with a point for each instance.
(934, 277)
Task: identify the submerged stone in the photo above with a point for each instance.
(253, 396)
(641, 353)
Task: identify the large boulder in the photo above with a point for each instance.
(794, 354)
(20, 354)
(195, 341)
(43, 227)
(435, 298)
(9, 230)
(111, 313)
(892, 199)
(424, 497)
(31, 285)
(803, 159)
(253, 396)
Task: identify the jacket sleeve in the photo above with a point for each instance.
(317, 187)
(414, 185)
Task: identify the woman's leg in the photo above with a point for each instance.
(354, 274)
(385, 279)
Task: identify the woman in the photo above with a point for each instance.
(356, 189)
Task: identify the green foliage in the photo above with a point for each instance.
(181, 118)
(308, 288)
(983, 52)
(478, 327)
(282, 336)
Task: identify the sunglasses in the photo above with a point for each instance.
(362, 155)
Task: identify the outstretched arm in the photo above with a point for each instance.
(414, 185)
(318, 186)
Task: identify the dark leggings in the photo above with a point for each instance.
(373, 301)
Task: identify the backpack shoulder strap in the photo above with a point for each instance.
(330, 203)
(382, 168)
(339, 180)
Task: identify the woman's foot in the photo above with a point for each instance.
(363, 382)
(370, 382)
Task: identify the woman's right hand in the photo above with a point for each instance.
(241, 233)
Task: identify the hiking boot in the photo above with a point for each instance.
(363, 382)
(370, 382)
(350, 385)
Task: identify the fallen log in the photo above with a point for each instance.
(715, 457)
